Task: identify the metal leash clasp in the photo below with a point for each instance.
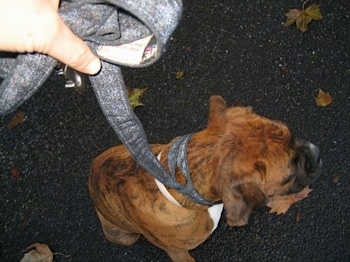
(75, 79)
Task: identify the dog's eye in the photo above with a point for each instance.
(295, 161)
(295, 167)
(288, 179)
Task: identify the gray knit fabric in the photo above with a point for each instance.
(101, 24)
(121, 32)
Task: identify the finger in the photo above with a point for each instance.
(72, 51)
(54, 4)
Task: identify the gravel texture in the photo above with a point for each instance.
(231, 48)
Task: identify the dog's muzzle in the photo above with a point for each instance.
(307, 165)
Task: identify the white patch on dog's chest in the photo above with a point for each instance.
(215, 214)
(214, 211)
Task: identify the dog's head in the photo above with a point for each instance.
(259, 158)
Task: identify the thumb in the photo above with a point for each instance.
(69, 49)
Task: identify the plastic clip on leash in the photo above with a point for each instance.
(74, 78)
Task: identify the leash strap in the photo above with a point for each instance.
(111, 28)
(178, 157)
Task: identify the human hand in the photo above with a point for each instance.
(35, 26)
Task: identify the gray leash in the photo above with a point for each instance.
(177, 156)
(106, 26)
(115, 106)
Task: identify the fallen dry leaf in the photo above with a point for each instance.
(17, 119)
(292, 16)
(37, 253)
(285, 70)
(15, 173)
(314, 12)
(281, 204)
(323, 98)
(302, 18)
(180, 74)
(135, 95)
(297, 217)
(336, 179)
(303, 21)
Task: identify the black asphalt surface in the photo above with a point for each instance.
(231, 48)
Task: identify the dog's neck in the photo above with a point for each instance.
(199, 172)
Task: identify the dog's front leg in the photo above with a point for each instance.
(180, 255)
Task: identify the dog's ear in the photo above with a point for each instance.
(239, 202)
(219, 114)
(217, 107)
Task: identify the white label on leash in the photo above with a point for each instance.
(133, 53)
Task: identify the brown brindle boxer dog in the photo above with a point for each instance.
(241, 160)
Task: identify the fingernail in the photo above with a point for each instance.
(94, 66)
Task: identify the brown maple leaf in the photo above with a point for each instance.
(281, 204)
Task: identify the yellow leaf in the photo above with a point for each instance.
(323, 98)
(314, 12)
(302, 18)
(135, 95)
(303, 21)
(180, 74)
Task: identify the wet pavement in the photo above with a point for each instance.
(237, 49)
